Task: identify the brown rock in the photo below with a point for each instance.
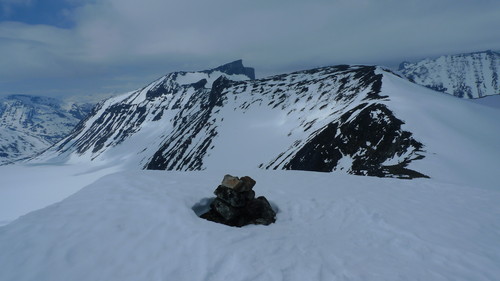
(231, 182)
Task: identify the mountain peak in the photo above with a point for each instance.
(235, 67)
(470, 75)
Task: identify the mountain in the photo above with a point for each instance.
(362, 120)
(472, 75)
(30, 124)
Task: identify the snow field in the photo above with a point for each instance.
(461, 138)
(140, 225)
(27, 188)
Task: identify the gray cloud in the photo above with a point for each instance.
(118, 45)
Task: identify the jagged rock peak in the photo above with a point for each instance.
(234, 68)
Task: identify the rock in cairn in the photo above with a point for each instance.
(236, 204)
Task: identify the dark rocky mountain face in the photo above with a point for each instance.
(357, 139)
(469, 76)
(325, 119)
(235, 67)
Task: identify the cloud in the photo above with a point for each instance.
(299, 28)
(35, 49)
(144, 39)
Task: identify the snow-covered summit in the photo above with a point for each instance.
(360, 120)
(472, 75)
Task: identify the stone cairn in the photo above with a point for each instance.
(236, 205)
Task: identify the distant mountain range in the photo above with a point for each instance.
(362, 120)
(472, 75)
(30, 124)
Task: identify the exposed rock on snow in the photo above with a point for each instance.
(233, 197)
(244, 184)
(236, 204)
(230, 181)
(235, 67)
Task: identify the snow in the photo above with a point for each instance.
(31, 124)
(490, 101)
(106, 220)
(475, 75)
(461, 138)
(27, 188)
(140, 225)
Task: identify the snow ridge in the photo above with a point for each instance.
(469, 76)
(308, 120)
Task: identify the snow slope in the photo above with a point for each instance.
(469, 76)
(490, 101)
(25, 188)
(461, 138)
(140, 225)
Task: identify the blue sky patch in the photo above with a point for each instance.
(49, 12)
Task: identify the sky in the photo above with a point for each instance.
(92, 47)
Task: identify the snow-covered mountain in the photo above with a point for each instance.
(30, 124)
(122, 223)
(332, 118)
(471, 75)
(361, 120)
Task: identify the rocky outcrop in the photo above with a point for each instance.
(236, 205)
(236, 67)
